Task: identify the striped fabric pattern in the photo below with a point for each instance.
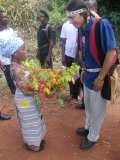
(30, 119)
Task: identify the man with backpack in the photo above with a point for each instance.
(92, 5)
(45, 40)
(98, 45)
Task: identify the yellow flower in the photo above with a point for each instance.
(23, 104)
(47, 91)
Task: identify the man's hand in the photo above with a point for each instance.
(1, 66)
(48, 59)
(108, 62)
(48, 62)
(63, 43)
(98, 84)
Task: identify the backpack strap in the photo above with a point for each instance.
(96, 48)
(80, 39)
(46, 30)
(93, 47)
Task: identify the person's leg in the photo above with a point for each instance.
(43, 62)
(97, 115)
(9, 79)
(76, 89)
(96, 112)
(85, 130)
(87, 108)
(49, 64)
(69, 61)
(80, 104)
(42, 59)
(41, 56)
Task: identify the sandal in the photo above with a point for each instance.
(73, 101)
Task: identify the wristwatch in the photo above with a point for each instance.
(101, 78)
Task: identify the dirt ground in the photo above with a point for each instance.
(61, 141)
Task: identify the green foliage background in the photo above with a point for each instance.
(111, 10)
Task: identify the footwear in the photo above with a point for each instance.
(82, 131)
(73, 101)
(80, 106)
(4, 116)
(86, 144)
(36, 148)
(32, 148)
(67, 98)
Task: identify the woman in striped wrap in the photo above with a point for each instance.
(29, 116)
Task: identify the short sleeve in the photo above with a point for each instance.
(63, 32)
(108, 40)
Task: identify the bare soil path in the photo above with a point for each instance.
(61, 141)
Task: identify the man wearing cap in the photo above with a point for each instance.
(97, 68)
(45, 40)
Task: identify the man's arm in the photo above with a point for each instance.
(63, 38)
(109, 45)
(108, 62)
(63, 43)
(51, 45)
(1, 66)
(51, 39)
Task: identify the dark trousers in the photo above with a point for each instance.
(42, 59)
(74, 88)
(9, 79)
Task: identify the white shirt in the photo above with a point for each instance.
(70, 33)
(4, 36)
